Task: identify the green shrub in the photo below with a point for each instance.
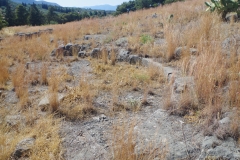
(146, 39)
(223, 6)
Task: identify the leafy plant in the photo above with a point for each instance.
(223, 6)
(146, 39)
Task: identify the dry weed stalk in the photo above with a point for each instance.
(113, 57)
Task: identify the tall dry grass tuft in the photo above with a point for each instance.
(53, 93)
(4, 76)
(172, 43)
(210, 74)
(113, 57)
(125, 144)
(79, 102)
(20, 84)
(105, 56)
(43, 76)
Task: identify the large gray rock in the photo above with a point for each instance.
(82, 54)
(180, 84)
(44, 102)
(231, 43)
(58, 50)
(121, 42)
(68, 46)
(179, 50)
(13, 120)
(214, 148)
(135, 59)
(123, 55)
(95, 53)
(85, 47)
(23, 147)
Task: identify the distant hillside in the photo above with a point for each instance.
(36, 2)
(103, 7)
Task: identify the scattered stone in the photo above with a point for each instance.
(159, 35)
(44, 103)
(95, 53)
(135, 59)
(121, 42)
(181, 83)
(179, 50)
(225, 121)
(68, 46)
(13, 120)
(123, 55)
(154, 15)
(84, 47)
(23, 148)
(82, 54)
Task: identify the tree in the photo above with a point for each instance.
(35, 16)
(9, 16)
(2, 22)
(51, 15)
(21, 15)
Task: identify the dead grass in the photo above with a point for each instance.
(125, 144)
(216, 75)
(4, 76)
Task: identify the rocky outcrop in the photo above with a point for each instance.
(216, 149)
(67, 50)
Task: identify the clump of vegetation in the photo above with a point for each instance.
(223, 6)
(146, 39)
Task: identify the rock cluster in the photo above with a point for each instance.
(29, 35)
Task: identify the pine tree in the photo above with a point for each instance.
(21, 15)
(35, 16)
(9, 17)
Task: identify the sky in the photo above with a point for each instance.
(85, 3)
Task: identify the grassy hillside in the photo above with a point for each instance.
(215, 67)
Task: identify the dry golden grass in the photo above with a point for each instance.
(4, 76)
(124, 144)
(190, 26)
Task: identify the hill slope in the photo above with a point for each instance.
(36, 2)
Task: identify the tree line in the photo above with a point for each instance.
(134, 5)
(23, 14)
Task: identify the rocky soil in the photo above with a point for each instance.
(91, 138)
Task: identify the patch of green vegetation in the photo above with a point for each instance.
(146, 39)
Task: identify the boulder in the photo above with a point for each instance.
(23, 147)
(135, 59)
(181, 83)
(68, 46)
(121, 42)
(179, 50)
(82, 54)
(123, 55)
(95, 53)
(85, 47)
(154, 15)
(214, 148)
